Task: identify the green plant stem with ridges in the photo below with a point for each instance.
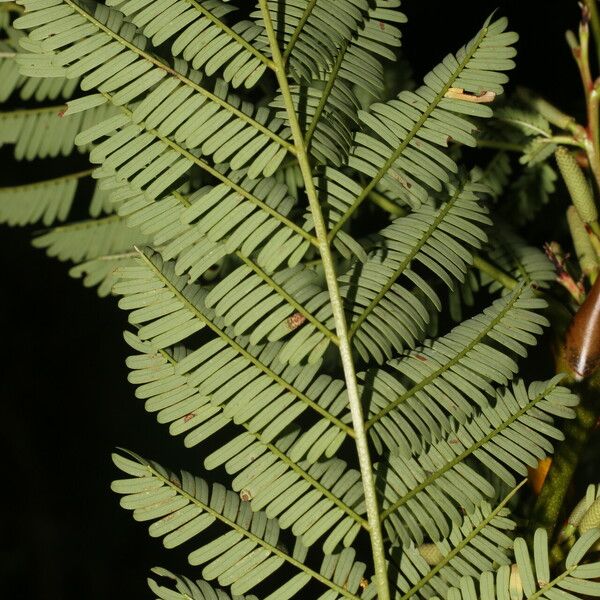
(565, 140)
(291, 464)
(243, 352)
(464, 455)
(459, 547)
(290, 46)
(433, 376)
(595, 227)
(414, 251)
(354, 400)
(549, 504)
(409, 136)
(244, 532)
(590, 137)
(161, 65)
(551, 113)
(594, 117)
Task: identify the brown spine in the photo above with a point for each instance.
(582, 344)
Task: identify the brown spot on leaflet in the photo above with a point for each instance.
(295, 320)
(483, 97)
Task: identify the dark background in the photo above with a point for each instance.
(66, 403)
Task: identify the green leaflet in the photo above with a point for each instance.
(91, 239)
(451, 375)
(401, 151)
(228, 224)
(46, 201)
(111, 56)
(199, 33)
(532, 574)
(185, 588)
(328, 106)
(182, 508)
(526, 263)
(46, 132)
(100, 272)
(38, 88)
(434, 487)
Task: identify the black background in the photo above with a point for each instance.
(66, 403)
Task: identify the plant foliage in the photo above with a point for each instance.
(309, 356)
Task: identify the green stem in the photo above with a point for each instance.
(325, 96)
(551, 113)
(500, 145)
(230, 32)
(595, 21)
(307, 11)
(548, 507)
(78, 175)
(354, 401)
(594, 131)
(590, 138)
(386, 204)
(494, 272)
(565, 140)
